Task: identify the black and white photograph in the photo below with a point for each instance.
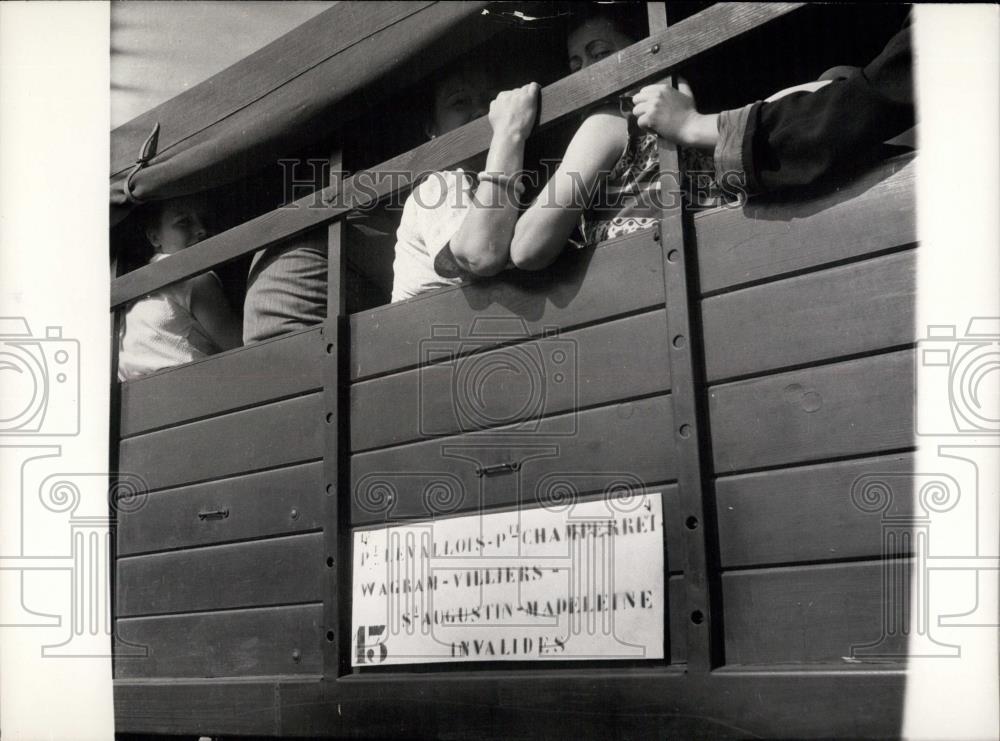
(499, 370)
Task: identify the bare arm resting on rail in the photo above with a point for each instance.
(481, 245)
(542, 232)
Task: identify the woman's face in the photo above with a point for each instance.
(182, 222)
(593, 40)
(459, 98)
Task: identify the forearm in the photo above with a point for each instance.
(701, 131)
(482, 244)
(543, 230)
(547, 225)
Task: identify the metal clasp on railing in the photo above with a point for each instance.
(216, 514)
(498, 468)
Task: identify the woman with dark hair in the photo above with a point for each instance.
(457, 224)
(608, 182)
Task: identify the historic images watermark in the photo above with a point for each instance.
(311, 184)
(932, 523)
(40, 382)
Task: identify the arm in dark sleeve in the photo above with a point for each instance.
(802, 137)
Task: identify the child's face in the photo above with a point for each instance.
(182, 222)
(459, 98)
(593, 40)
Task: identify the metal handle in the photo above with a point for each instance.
(216, 514)
(498, 468)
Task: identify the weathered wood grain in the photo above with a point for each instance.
(578, 369)
(267, 436)
(283, 501)
(241, 89)
(619, 277)
(767, 238)
(808, 513)
(571, 704)
(250, 375)
(862, 307)
(844, 409)
(591, 451)
(811, 614)
(567, 96)
(236, 643)
(277, 571)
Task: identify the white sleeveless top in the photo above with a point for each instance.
(160, 331)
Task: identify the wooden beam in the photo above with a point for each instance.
(537, 702)
(688, 437)
(238, 90)
(651, 57)
(336, 429)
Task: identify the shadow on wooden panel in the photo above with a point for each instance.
(518, 384)
(616, 278)
(767, 238)
(255, 642)
(863, 307)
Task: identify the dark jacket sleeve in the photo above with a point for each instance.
(798, 139)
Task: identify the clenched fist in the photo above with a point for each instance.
(671, 114)
(513, 112)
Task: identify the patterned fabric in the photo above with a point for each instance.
(629, 199)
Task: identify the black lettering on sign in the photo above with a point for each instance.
(368, 642)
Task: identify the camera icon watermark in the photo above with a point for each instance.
(86, 504)
(496, 377)
(968, 366)
(39, 381)
(937, 560)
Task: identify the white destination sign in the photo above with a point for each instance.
(580, 582)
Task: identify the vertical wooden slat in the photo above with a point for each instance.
(114, 433)
(688, 435)
(336, 590)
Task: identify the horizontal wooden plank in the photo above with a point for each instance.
(254, 374)
(276, 571)
(771, 237)
(591, 703)
(854, 309)
(814, 613)
(267, 436)
(811, 513)
(524, 382)
(563, 98)
(256, 642)
(241, 89)
(623, 444)
(278, 502)
(853, 408)
(618, 277)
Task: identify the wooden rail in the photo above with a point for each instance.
(652, 56)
